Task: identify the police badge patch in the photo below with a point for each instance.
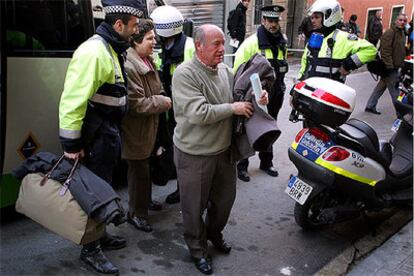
(352, 37)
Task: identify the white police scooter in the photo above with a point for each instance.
(343, 169)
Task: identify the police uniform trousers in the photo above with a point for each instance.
(102, 154)
(104, 149)
(206, 183)
(139, 187)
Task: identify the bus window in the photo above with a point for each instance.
(46, 28)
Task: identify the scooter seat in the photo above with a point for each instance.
(367, 141)
(402, 157)
(367, 129)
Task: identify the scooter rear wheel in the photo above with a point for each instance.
(308, 216)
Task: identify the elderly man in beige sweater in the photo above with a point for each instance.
(203, 106)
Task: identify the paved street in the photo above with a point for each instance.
(394, 257)
(262, 230)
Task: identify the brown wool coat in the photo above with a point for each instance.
(139, 126)
(393, 48)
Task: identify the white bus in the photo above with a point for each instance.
(38, 38)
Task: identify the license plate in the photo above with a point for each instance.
(396, 125)
(298, 190)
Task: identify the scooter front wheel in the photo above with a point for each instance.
(309, 215)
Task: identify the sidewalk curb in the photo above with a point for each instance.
(342, 263)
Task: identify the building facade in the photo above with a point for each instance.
(366, 8)
(216, 12)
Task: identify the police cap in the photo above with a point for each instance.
(132, 7)
(272, 12)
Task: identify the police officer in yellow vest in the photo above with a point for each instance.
(270, 42)
(92, 104)
(176, 47)
(330, 52)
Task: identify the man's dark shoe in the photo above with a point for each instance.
(221, 245)
(372, 110)
(243, 175)
(173, 197)
(154, 206)
(118, 219)
(270, 171)
(112, 242)
(140, 223)
(98, 261)
(204, 265)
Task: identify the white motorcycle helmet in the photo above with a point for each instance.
(168, 21)
(331, 10)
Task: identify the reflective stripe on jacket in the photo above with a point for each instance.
(94, 78)
(348, 51)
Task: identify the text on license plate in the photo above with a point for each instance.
(298, 190)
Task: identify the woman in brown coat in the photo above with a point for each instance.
(140, 124)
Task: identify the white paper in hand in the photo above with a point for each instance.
(234, 43)
(257, 89)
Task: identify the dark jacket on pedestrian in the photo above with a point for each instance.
(306, 27)
(374, 30)
(393, 48)
(95, 196)
(237, 23)
(353, 28)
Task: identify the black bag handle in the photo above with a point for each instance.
(65, 184)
